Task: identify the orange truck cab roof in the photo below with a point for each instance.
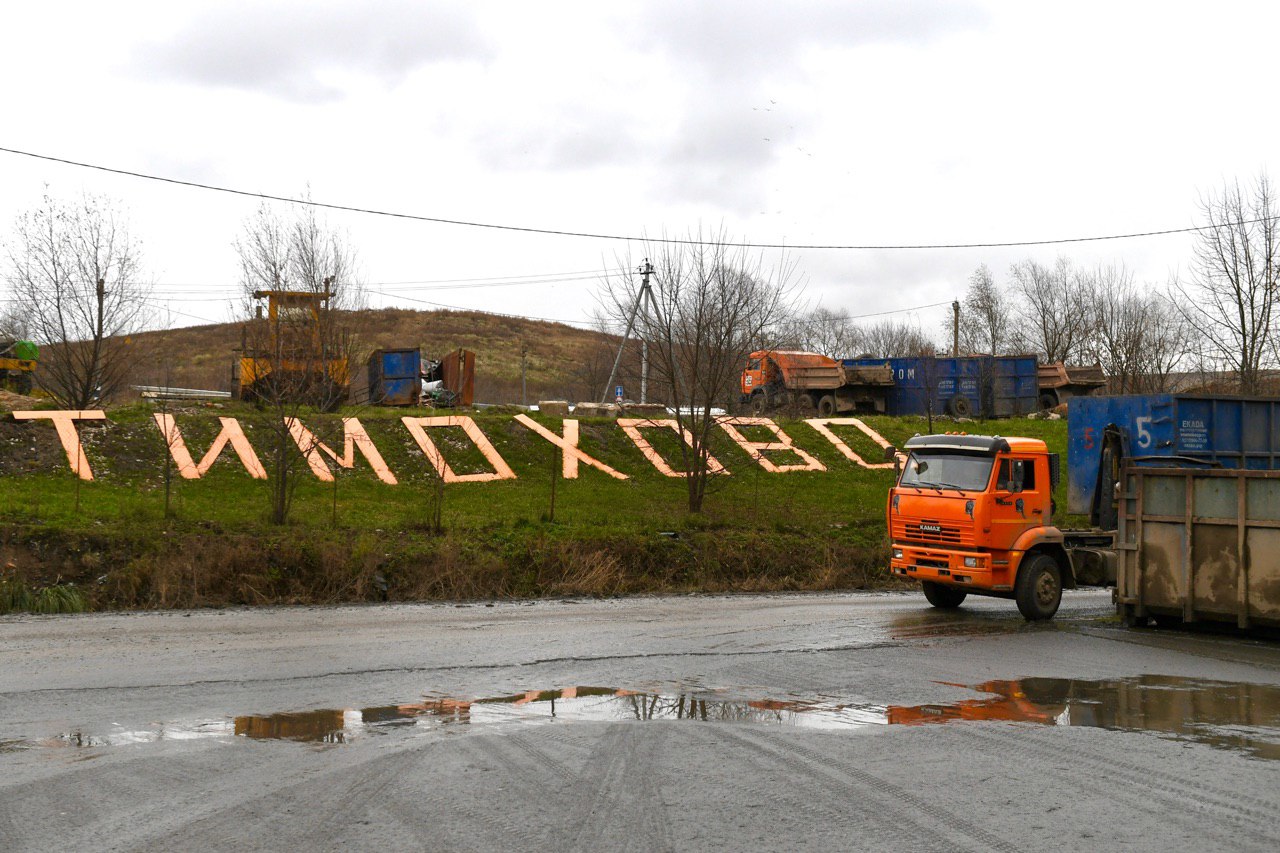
(991, 444)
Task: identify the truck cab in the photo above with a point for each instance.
(973, 514)
(759, 373)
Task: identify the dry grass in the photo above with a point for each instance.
(212, 568)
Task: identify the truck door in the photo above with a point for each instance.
(1020, 499)
(752, 377)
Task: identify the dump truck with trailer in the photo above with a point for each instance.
(808, 381)
(974, 514)
(1184, 508)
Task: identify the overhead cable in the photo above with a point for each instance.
(995, 244)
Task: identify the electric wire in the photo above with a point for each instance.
(624, 237)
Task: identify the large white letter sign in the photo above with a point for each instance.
(632, 427)
(353, 437)
(418, 429)
(820, 424)
(568, 445)
(65, 424)
(230, 434)
(755, 449)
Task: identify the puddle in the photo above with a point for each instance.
(1228, 715)
(960, 623)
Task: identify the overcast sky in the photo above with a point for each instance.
(848, 123)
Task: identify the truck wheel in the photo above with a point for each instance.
(943, 596)
(759, 402)
(958, 407)
(1038, 590)
(826, 406)
(1048, 400)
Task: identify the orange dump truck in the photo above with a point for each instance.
(974, 514)
(776, 379)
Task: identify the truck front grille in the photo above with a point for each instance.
(906, 529)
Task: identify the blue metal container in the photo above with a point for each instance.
(1234, 432)
(975, 386)
(394, 377)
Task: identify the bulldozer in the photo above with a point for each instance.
(292, 354)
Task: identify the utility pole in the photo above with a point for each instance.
(643, 294)
(524, 353)
(955, 329)
(95, 382)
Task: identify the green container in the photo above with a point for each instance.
(26, 351)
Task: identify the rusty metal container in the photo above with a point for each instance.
(458, 370)
(1199, 545)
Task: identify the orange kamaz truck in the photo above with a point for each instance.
(974, 514)
(811, 382)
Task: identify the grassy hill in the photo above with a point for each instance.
(562, 362)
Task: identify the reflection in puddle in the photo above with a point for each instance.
(959, 623)
(1225, 714)
(1237, 716)
(319, 726)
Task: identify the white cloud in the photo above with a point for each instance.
(299, 51)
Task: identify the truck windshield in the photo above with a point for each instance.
(967, 471)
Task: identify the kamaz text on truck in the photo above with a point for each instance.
(974, 514)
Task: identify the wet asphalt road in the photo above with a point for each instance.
(767, 722)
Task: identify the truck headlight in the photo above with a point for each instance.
(897, 553)
(971, 562)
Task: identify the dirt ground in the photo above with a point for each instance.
(858, 721)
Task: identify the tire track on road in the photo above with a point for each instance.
(615, 803)
(1181, 799)
(862, 784)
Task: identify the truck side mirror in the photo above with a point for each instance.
(1017, 474)
(890, 453)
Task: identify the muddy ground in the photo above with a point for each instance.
(860, 721)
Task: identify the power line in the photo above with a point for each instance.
(629, 238)
(894, 311)
(582, 323)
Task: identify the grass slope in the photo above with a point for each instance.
(366, 540)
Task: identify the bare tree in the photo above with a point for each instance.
(896, 339)
(985, 316)
(1230, 297)
(715, 302)
(299, 252)
(1138, 336)
(14, 324)
(1056, 313)
(76, 277)
(821, 330)
(299, 355)
(298, 359)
